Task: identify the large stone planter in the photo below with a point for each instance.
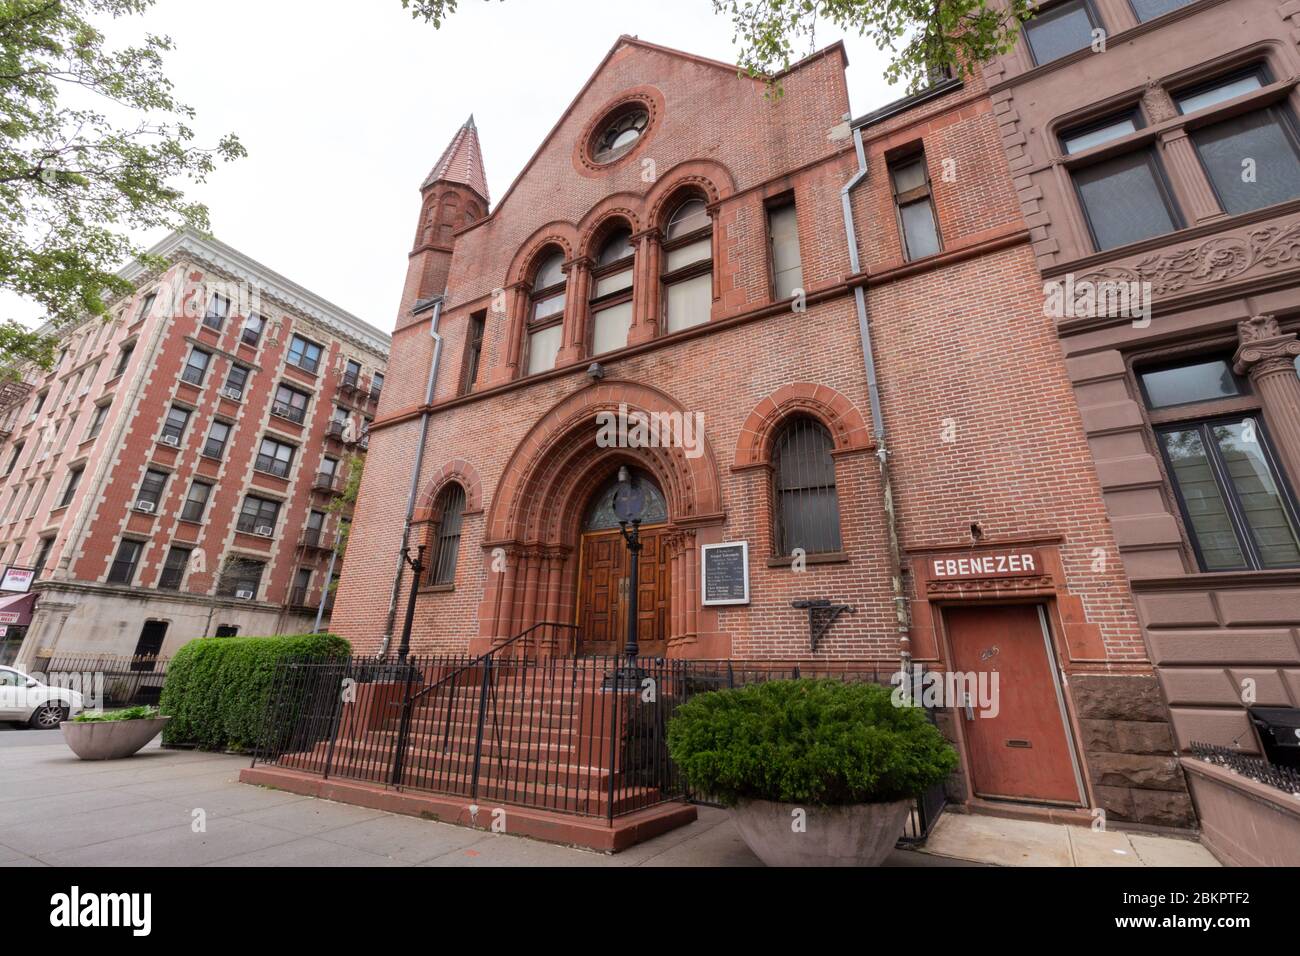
(110, 739)
(861, 834)
(1244, 822)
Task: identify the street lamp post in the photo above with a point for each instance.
(417, 566)
(629, 506)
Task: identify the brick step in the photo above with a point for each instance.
(366, 758)
(461, 728)
(592, 800)
(596, 833)
(381, 741)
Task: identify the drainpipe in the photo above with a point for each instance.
(415, 479)
(877, 416)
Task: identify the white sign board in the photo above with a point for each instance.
(17, 579)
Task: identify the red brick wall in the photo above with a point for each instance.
(963, 339)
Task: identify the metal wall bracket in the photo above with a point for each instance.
(821, 615)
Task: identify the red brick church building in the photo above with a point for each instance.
(851, 310)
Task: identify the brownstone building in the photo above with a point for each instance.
(1164, 165)
(851, 310)
(171, 477)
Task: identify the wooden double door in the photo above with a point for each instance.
(604, 589)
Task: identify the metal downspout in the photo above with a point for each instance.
(415, 478)
(877, 416)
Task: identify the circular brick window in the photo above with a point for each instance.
(618, 131)
(619, 134)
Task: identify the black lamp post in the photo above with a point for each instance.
(629, 506)
(417, 566)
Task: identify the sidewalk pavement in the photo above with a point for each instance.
(186, 808)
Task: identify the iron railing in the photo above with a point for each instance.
(127, 681)
(1249, 765)
(524, 724)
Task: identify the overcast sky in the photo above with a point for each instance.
(345, 105)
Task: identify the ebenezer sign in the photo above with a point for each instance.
(996, 564)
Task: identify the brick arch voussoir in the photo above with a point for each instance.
(596, 223)
(462, 473)
(710, 179)
(539, 488)
(561, 234)
(846, 424)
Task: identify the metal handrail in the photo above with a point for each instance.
(483, 658)
(486, 661)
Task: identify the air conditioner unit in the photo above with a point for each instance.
(172, 440)
(244, 595)
(84, 390)
(233, 394)
(145, 506)
(265, 530)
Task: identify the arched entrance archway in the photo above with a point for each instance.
(534, 531)
(604, 573)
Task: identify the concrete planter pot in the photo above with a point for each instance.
(860, 834)
(110, 739)
(1244, 822)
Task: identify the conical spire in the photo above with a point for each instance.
(461, 162)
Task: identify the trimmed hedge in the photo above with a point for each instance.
(807, 741)
(217, 689)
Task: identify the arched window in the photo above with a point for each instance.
(688, 266)
(600, 515)
(807, 511)
(611, 293)
(546, 312)
(446, 538)
(448, 210)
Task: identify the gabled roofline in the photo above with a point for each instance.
(903, 104)
(189, 243)
(627, 40)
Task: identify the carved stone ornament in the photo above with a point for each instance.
(1263, 346)
(1216, 260)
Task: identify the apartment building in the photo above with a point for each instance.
(177, 473)
(1157, 158)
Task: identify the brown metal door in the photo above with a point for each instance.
(603, 592)
(1024, 752)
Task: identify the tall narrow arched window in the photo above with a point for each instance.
(807, 510)
(546, 312)
(688, 266)
(448, 210)
(611, 293)
(446, 537)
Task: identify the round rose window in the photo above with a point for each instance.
(620, 136)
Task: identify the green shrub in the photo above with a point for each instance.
(127, 713)
(807, 741)
(217, 690)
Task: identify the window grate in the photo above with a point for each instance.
(807, 507)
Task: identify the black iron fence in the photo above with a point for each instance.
(523, 724)
(126, 681)
(1256, 768)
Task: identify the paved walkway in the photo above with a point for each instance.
(184, 808)
(1002, 842)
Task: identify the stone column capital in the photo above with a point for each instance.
(1263, 348)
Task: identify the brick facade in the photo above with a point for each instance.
(985, 443)
(79, 609)
(1220, 283)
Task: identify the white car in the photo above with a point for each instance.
(25, 700)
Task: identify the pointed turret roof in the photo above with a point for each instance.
(461, 162)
